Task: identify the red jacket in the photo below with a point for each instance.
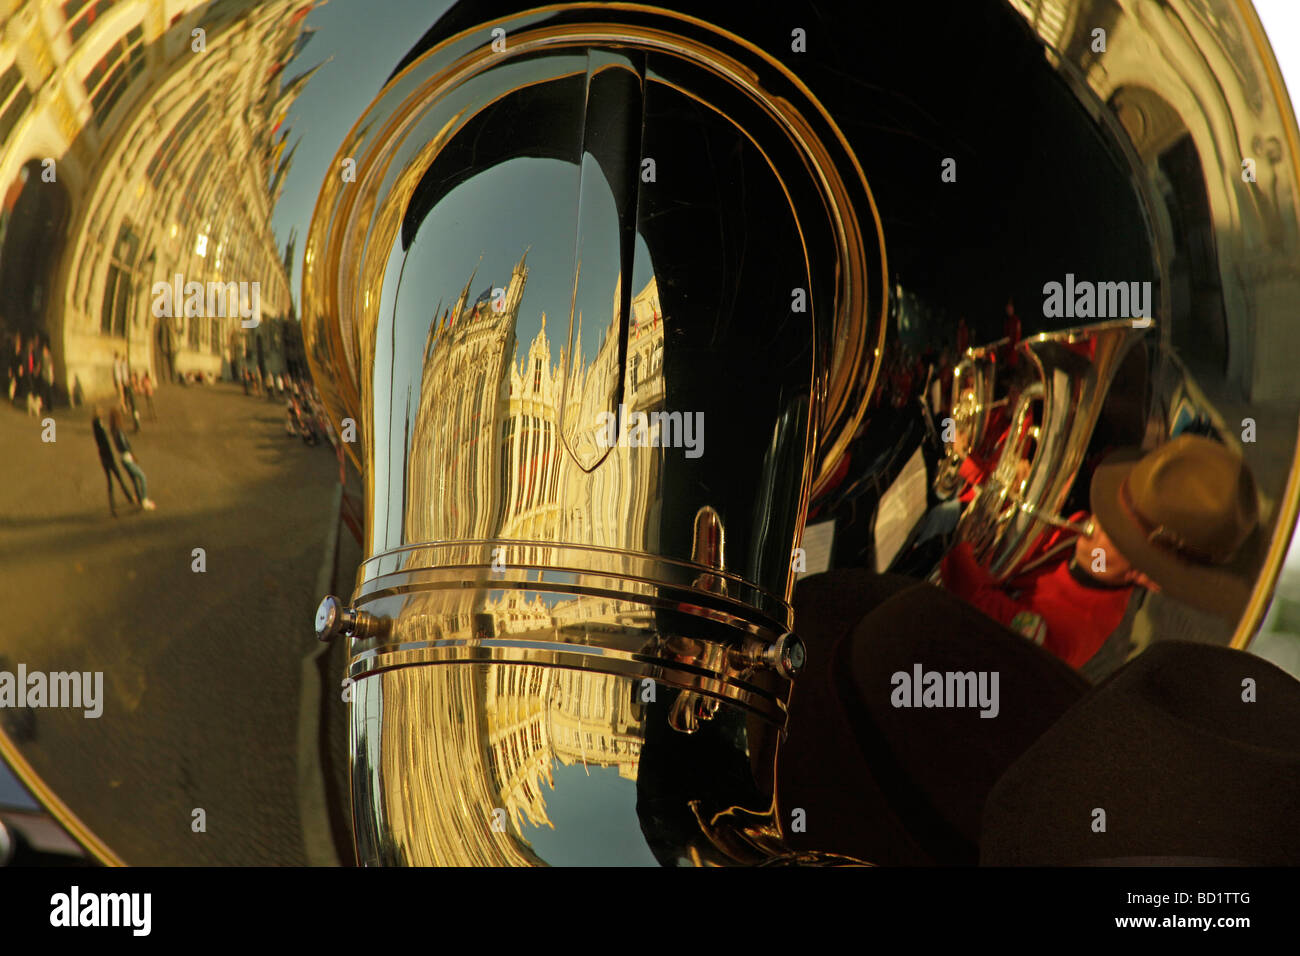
(1079, 613)
(973, 471)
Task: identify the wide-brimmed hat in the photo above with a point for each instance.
(1171, 761)
(1187, 516)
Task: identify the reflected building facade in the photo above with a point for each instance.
(540, 718)
(507, 417)
(512, 481)
(130, 156)
(516, 727)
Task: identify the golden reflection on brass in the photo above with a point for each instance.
(492, 737)
(535, 522)
(570, 629)
(526, 543)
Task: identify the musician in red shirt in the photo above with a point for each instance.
(1183, 519)
(1070, 605)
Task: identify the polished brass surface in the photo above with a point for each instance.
(578, 645)
(547, 461)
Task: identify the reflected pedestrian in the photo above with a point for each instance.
(128, 461)
(107, 461)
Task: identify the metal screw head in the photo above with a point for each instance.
(329, 617)
(791, 655)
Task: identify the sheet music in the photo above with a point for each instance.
(901, 507)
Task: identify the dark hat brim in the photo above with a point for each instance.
(1183, 770)
(1219, 589)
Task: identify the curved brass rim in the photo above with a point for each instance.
(57, 808)
(1077, 334)
(697, 678)
(634, 575)
(1289, 507)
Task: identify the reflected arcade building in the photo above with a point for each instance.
(166, 159)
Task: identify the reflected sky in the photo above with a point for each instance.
(609, 800)
(344, 86)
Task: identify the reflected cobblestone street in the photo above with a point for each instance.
(205, 668)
